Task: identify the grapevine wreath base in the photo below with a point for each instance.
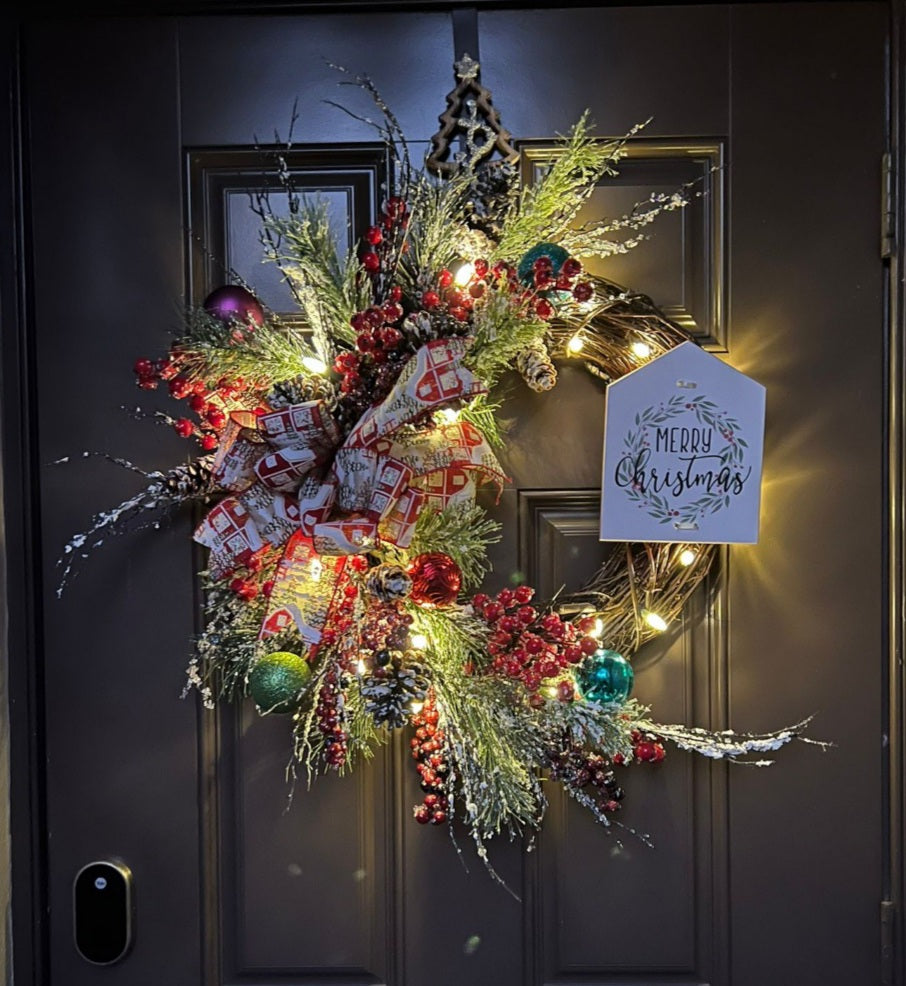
(339, 465)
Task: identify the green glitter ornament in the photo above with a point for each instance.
(605, 676)
(554, 253)
(276, 681)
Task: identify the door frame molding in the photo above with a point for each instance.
(22, 789)
(892, 918)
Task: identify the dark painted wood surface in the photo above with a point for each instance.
(758, 876)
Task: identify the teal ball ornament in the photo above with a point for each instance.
(606, 677)
(554, 253)
(277, 680)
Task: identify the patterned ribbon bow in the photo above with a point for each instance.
(296, 488)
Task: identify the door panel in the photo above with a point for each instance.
(754, 877)
(807, 602)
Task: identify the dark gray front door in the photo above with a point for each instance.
(758, 876)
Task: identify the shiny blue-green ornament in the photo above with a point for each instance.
(554, 253)
(606, 677)
(277, 680)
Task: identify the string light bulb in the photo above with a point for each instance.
(641, 349)
(576, 344)
(314, 365)
(419, 641)
(448, 415)
(654, 620)
(360, 667)
(687, 557)
(464, 274)
(599, 628)
(416, 707)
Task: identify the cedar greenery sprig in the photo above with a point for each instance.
(501, 331)
(228, 645)
(591, 726)
(545, 210)
(483, 414)
(435, 229)
(264, 355)
(329, 290)
(490, 734)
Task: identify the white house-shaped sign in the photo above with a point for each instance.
(683, 442)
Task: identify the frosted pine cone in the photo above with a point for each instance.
(472, 244)
(535, 366)
(190, 480)
(300, 390)
(390, 691)
(388, 583)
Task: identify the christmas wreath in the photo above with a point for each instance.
(340, 460)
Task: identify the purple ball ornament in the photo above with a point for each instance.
(232, 303)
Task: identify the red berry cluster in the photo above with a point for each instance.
(427, 750)
(648, 749)
(530, 646)
(579, 768)
(252, 584)
(210, 404)
(565, 279)
(456, 301)
(342, 619)
(331, 718)
(370, 370)
(645, 748)
(383, 626)
(379, 242)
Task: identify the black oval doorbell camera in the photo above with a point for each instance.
(102, 911)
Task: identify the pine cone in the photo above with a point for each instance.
(390, 691)
(191, 480)
(493, 192)
(472, 243)
(299, 390)
(536, 368)
(388, 583)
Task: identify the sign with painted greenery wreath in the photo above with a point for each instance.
(682, 452)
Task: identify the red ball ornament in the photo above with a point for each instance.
(436, 579)
(232, 303)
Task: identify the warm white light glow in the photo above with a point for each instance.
(419, 641)
(655, 621)
(599, 628)
(576, 344)
(687, 557)
(360, 667)
(465, 274)
(641, 349)
(417, 707)
(448, 415)
(314, 569)
(314, 365)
